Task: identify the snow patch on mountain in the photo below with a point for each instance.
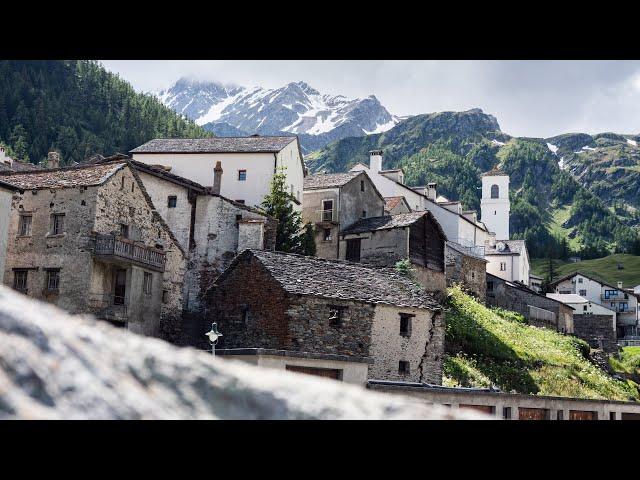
(633, 143)
(496, 142)
(552, 148)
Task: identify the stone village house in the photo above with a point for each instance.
(280, 305)
(6, 195)
(89, 240)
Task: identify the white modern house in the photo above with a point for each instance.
(509, 260)
(6, 194)
(582, 305)
(459, 226)
(249, 163)
(623, 302)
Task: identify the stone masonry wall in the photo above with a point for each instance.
(466, 270)
(252, 310)
(596, 330)
(423, 348)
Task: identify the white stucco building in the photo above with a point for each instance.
(249, 163)
(509, 260)
(459, 226)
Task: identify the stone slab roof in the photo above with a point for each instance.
(495, 172)
(514, 247)
(383, 223)
(329, 180)
(303, 275)
(18, 166)
(257, 144)
(83, 176)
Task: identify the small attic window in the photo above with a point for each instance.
(172, 201)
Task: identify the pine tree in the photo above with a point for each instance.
(279, 204)
(309, 240)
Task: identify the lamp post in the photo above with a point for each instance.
(213, 335)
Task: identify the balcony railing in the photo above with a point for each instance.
(124, 249)
(325, 215)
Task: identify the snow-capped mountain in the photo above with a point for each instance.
(295, 108)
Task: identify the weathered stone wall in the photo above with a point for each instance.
(312, 203)
(217, 238)
(253, 311)
(597, 330)
(431, 280)
(5, 213)
(69, 252)
(353, 201)
(423, 348)
(467, 270)
(518, 300)
(381, 248)
(123, 200)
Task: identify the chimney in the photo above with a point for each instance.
(375, 160)
(492, 239)
(432, 191)
(3, 156)
(217, 178)
(53, 160)
(620, 285)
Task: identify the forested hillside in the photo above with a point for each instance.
(79, 109)
(550, 207)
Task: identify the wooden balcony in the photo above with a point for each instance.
(125, 251)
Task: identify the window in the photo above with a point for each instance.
(148, 280)
(53, 279)
(490, 286)
(122, 184)
(24, 228)
(165, 296)
(403, 367)
(495, 191)
(245, 315)
(364, 214)
(327, 235)
(172, 201)
(327, 210)
(242, 175)
(133, 185)
(405, 324)
(362, 185)
(580, 279)
(124, 230)
(584, 308)
(20, 280)
(335, 315)
(624, 307)
(57, 224)
(506, 413)
(583, 293)
(610, 293)
(238, 217)
(503, 266)
(353, 250)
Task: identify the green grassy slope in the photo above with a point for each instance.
(487, 347)
(605, 268)
(628, 361)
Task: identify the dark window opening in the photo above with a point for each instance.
(57, 224)
(495, 191)
(612, 415)
(506, 413)
(25, 225)
(405, 324)
(172, 201)
(327, 210)
(245, 315)
(403, 367)
(20, 280)
(327, 235)
(336, 316)
(490, 286)
(364, 214)
(242, 175)
(362, 185)
(124, 230)
(120, 287)
(148, 281)
(165, 296)
(353, 250)
(122, 184)
(53, 279)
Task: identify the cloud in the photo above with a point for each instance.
(529, 98)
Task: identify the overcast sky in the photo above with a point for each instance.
(529, 98)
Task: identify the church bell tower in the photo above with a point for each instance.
(494, 204)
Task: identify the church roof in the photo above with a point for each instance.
(495, 172)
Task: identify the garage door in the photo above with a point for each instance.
(480, 408)
(630, 416)
(334, 373)
(533, 413)
(582, 415)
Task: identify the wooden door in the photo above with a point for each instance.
(533, 413)
(353, 250)
(582, 415)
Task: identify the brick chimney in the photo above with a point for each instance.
(375, 160)
(53, 160)
(217, 178)
(431, 192)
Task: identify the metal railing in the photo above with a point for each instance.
(541, 314)
(325, 215)
(130, 250)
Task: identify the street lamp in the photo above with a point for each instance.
(213, 335)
